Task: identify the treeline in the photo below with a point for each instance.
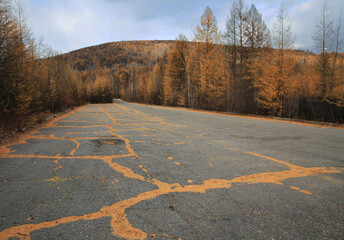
(248, 69)
(34, 79)
(128, 65)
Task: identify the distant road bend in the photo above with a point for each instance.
(130, 171)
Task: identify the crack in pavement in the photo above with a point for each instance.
(120, 224)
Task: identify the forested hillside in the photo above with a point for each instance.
(126, 66)
(171, 73)
(196, 75)
(247, 69)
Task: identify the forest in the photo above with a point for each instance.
(35, 80)
(246, 69)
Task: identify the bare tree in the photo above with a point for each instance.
(21, 18)
(324, 34)
(337, 95)
(339, 41)
(256, 32)
(235, 40)
(324, 43)
(282, 35)
(235, 25)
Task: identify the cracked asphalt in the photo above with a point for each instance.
(129, 171)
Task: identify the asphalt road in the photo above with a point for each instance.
(114, 171)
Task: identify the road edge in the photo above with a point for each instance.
(249, 116)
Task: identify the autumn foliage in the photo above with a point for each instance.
(35, 80)
(247, 69)
(238, 71)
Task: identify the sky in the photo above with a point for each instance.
(67, 25)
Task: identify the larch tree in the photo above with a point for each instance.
(207, 38)
(336, 95)
(18, 97)
(338, 89)
(207, 32)
(283, 40)
(282, 34)
(273, 84)
(323, 43)
(257, 38)
(264, 72)
(235, 24)
(193, 76)
(246, 34)
(141, 93)
(235, 39)
(176, 79)
(8, 32)
(220, 79)
(156, 85)
(256, 33)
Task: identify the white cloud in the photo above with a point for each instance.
(72, 24)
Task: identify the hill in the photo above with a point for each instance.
(119, 62)
(246, 80)
(117, 55)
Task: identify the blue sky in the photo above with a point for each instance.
(67, 25)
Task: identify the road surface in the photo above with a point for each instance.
(129, 171)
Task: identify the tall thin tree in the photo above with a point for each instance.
(282, 34)
(323, 38)
(283, 39)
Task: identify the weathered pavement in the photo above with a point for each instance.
(123, 170)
